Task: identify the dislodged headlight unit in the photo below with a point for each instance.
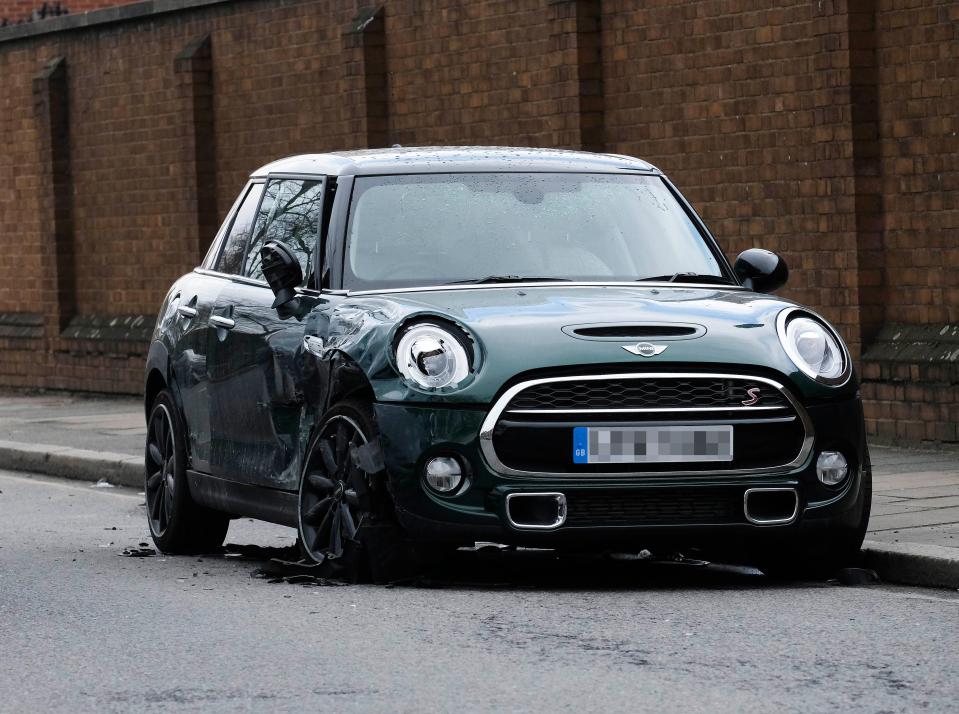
(813, 346)
(433, 357)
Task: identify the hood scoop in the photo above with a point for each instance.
(616, 332)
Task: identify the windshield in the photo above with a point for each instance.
(436, 229)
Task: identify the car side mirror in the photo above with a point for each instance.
(761, 270)
(281, 270)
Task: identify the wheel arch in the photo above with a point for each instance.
(159, 376)
(348, 380)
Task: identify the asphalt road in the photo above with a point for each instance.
(84, 629)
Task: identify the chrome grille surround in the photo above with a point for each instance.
(651, 394)
(501, 404)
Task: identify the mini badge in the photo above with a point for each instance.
(753, 397)
(645, 349)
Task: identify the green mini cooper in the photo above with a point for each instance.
(529, 347)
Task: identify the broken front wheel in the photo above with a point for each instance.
(344, 505)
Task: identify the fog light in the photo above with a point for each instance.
(831, 468)
(444, 474)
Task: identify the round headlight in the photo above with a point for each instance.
(813, 348)
(432, 357)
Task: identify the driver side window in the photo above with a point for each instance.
(234, 247)
(289, 213)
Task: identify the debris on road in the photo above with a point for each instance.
(286, 565)
(142, 551)
(296, 573)
(259, 552)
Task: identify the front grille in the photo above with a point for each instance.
(654, 507)
(532, 431)
(659, 392)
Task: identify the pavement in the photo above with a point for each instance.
(913, 534)
(73, 436)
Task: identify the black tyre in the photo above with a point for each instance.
(346, 517)
(818, 556)
(177, 523)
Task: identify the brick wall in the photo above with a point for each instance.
(919, 86)
(911, 371)
(823, 130)
(749, 113)
(471, 73)
(14, 11)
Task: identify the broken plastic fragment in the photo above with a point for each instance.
(141, 552)
(368, 457)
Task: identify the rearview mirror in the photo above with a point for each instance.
(281, 270)
(761, 270)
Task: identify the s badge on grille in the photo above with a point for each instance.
(645, 349)
(753, 397)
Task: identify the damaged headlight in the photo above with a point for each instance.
(813, 347)
(432, 357)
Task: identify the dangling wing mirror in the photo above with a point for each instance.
(281, 270)
(761, 270)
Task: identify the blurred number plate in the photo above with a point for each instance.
(652, 444)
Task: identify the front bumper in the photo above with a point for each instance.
(608, 512)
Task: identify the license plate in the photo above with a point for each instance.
(651, 444)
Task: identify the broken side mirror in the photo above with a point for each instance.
(761, 270)
(282, 271)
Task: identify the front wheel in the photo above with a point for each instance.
(177, 523)
(346, 516)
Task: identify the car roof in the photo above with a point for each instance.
(447, 159)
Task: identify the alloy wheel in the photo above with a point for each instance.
(160, 470)
(335, 490)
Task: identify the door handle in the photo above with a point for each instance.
(222, 322)
(186, 311)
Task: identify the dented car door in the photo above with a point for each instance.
(255, 391)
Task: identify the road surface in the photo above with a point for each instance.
(83, 628)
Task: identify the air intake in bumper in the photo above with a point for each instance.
(771, 506)
(536, 511)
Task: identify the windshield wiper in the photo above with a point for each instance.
(508, 279)
(687, 278)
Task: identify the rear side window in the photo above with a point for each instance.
(290, 213)
(234, 249)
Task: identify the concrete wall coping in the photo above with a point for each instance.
(106, 16)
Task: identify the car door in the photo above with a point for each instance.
(256, 395)
(194, 305)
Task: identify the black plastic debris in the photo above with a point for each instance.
(287, 565)
(296, 573)
(142, 551)
(368, 457)
(259, 552)
(391, 562)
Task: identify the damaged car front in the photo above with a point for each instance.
(566, 360)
